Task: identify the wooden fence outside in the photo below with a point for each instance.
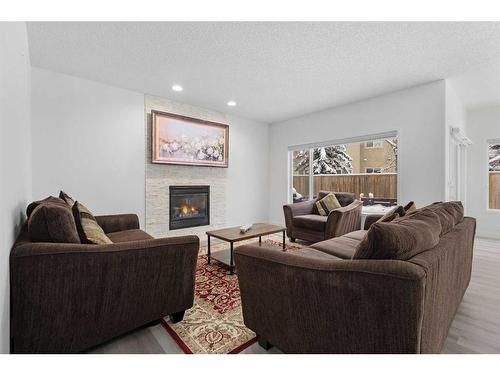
(494, 190)
(382, 185)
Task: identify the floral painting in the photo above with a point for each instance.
(185, 140)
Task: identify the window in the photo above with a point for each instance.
(300, 175)
(373, 170)
(378, 143)
(494, 174)
(346, 167)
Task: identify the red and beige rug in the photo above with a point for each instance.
(214, 325)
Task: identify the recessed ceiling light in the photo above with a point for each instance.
(231, 103)
(177, 88)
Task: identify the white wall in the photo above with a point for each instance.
(482, 125)
(248, 172)
(417, 114)
(15, 153)
(88, 140)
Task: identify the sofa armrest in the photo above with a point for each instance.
(344, 220)
(69, 297)
(117, 223)
(371, 219)
(311, 303)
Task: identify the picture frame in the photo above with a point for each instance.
(183, 140)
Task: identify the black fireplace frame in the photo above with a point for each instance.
(188, 222)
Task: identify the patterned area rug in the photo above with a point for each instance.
(214, 325)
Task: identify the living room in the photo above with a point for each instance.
(250, 187)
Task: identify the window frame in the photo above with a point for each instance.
(359, 139)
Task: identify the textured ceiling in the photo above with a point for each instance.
(274, 71)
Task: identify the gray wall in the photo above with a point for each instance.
(15, 152)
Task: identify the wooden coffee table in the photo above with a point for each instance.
(233, 235)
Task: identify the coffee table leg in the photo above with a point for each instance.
(208, 250)
(231, 265)
(284, 246)
(260, 240)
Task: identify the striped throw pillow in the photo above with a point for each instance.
(327, 204)
(89, 230)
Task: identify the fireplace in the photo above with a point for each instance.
(189, 206)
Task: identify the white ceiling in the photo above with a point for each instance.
(274, 71)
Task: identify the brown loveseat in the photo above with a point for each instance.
(304, 221)
(67, 297)
(324, 299)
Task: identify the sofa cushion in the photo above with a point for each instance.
(53, 200)
(88, 229)
(342, 247)
(52, 222)
(312, 222)
(401, 239)
(327, 204)
(357, 234)
(129, 235)
(449, 213)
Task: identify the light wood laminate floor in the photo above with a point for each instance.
(476, 328)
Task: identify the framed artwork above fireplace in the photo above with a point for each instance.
(185, 140)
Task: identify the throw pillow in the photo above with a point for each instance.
(392, 214)
(89, 230)
(410, 207)
(401, 239)
(53, 200)
(327, 204)
(65, 197)
(51, 222)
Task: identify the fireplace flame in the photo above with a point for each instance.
(189, 210)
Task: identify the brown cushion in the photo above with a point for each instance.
(401, 239)
(449, 213)
(51, 222)
(65, 197)
(327, 204)
(129, 235)
(356, 235)
(342, 247)
(54, 200)
(88, 229)
(312, 222)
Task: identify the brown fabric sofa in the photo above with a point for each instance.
(304, 222)
(321, 300)
(68, 297)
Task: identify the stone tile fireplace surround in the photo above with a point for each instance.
(159, 177)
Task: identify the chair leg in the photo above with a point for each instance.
(264, 343)
(177, 317)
